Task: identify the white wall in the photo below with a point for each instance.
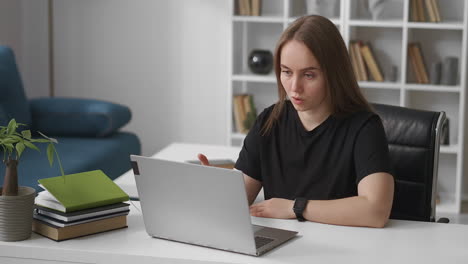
(10, 26)
(166, 60)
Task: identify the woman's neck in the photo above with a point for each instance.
(313, 118)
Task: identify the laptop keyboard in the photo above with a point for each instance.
(261, 241)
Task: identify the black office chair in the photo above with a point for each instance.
(413, 141)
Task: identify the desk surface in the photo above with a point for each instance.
(399, 242)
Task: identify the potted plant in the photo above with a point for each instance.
(16, 203)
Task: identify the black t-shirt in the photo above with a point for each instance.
(325, 163)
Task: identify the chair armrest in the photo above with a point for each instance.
(77, 117)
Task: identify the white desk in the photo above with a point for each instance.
(399, 242)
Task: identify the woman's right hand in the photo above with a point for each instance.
(203, 160)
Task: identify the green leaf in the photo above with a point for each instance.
(26, 134)
(50, 154)
(20, 148)
(11, 128)
(9, 147)
(49, 138)
(31, 145)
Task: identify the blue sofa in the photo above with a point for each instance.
(87, 130)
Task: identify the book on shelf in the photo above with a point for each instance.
(417, 62)
(79, 191)
(244, 112)
(360, 62)
(414, 11)
(371, 62)
(357, 61)
(244, 7)
(352, 56)
(435, 7)
(256, 7)
(73, 231)
(430, 11)
(420, 11)
(82, 214)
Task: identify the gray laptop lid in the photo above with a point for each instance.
(194, 204)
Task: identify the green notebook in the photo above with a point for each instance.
(79, 191)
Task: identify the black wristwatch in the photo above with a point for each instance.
(299, 206)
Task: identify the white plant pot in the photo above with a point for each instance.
(16, 215)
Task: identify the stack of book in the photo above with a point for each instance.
(79, 204)
(245, 112)
(432, 9)
(249, 7)
(364, 61)
(418, 65)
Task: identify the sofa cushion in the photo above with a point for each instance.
(78, 117)
(110, 154)
(12, 99)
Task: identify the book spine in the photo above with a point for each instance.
(352, 55)
(420, 62)
(371, 63)
(360, 61)
(414, 65)
(430, 11)
(435, 6)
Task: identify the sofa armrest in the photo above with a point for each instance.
(77, 117)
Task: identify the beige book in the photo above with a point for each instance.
(63, 233)
(414, 11)
(420, 62)
(256, 7)
(360, 61)
(430, 11)
(352, 55)
(414, 65)
(420, 8)
(371, 63)
(435, 6)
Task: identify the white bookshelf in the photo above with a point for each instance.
(389, 37)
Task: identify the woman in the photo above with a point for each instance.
(322, 155)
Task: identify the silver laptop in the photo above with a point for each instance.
(200, 205)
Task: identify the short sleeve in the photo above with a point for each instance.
(249, 156)
(371, 153)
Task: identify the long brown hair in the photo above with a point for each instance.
(324, 40)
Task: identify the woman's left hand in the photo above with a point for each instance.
(273, 208)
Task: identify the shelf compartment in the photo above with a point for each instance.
(436, 46)
(329, 9)
(392, 10)
(382, 96)
(274, 8)
(248, 36)
(385, 45)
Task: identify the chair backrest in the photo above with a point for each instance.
(13, 102)
(413, 138)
